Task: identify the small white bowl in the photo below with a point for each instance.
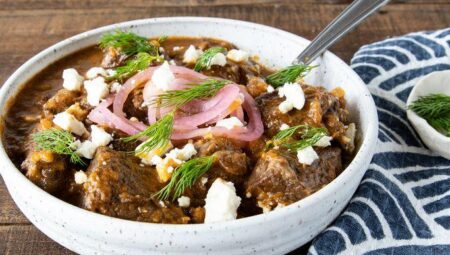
(277, 232)
(433, 83)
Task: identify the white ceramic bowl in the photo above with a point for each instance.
(433, 83)
(274, 233)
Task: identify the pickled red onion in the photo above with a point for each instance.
(225, 97)
(198, 112)
(103, 116)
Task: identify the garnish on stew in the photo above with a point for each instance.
(288, 74)
(128, 43)
(158, 135)
(206, 89)
(185, 176)
(309, 137)
(59, 142)
(132, 66)
(435, 109)
(204, 61)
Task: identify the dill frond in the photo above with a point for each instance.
(132, 66)
(310, 136)
(127, 42)
(288, 74)
(204, 61)
(185, 176)
(158, 135)
(206, 89)
(59, 142)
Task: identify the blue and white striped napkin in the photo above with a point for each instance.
(402, 205)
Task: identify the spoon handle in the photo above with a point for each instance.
(346, 21)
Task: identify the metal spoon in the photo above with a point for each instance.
(354, 14)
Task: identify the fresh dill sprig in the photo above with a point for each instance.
(431, 106)
(59, 142)
(309, 137)
(185, 176)
(158, 135)
(435, 109)
(288, 74)
(288, 132)
(127, 42)
(177, 98)
(441, 124)
(204, 61)
(132, 66)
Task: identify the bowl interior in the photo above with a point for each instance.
(275, 48)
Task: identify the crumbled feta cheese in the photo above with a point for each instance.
(172, 62)
(115, 87)
(148, 157)
(96, 90)
(99, 136)
(229, 123)
(177, 48)
(307, 155)
(184, 201)
(284, 126)
(95, 71)
(80, 177)
(191, 54)
(238, 55)
(285, 107)
(324, 141)
(172, 160)
(295, 98)
(270, 89)
(162, 204)
(166, 167)
(183, 154)
(69, 123)
(203, 180)
(218, 60)
(72, 80)
(162, 77)
(87, 149)
(161, 49)
(155, 160)
(221, 202)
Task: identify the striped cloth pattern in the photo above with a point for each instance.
(402, 205)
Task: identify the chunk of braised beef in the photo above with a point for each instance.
(80, 110)
(231, 164)
(119, 186)
(321, 109)
(278, 179)
(62, 100)
(256, 86)
(46, 169)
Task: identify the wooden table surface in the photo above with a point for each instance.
(27, 27)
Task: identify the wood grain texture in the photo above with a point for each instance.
(28, 27)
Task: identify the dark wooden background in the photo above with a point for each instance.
(27, 27)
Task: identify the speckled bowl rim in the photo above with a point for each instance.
(365, 151)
